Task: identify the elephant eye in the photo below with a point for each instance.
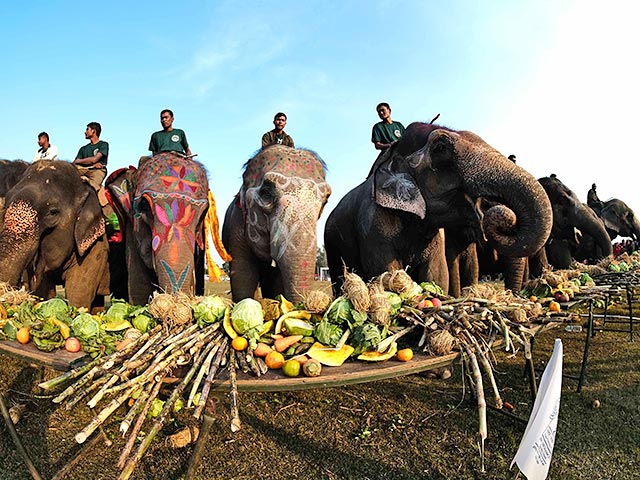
(268, 196)
(53, 211)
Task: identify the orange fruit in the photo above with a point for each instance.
(554, 307)
(239, 343)
(291, 368)
(533, 298)
(23, 335)
(405, 354)
(274, 360)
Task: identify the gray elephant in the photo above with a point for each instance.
(270, 228)
(54, 229)
(618, 218)
(161, 206)
(573, 223)
(10, 174)
(430, 179)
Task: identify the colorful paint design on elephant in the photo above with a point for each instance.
(176, 217)
(286, 161)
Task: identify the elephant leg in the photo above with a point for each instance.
(271, 283)
(83, 276)
(46, 288)
(469, 267)
(514, 268)
(244, 276)
(199, 270)
(433, 267)
(453, 265)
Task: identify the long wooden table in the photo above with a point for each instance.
(59, 359)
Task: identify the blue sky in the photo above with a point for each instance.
(554, 82)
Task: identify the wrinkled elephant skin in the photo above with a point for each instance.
(54, 229)
(270, 228)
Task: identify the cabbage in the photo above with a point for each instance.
(84, 325)
(56, 308)
(365, 338)
(143, 322)
(328, 333)
(210, 309)
(432, 288)
(341, 312)
(247, 315)
(395, 302)
(117, 312)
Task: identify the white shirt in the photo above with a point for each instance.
(50, 153)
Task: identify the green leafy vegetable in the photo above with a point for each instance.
(365, 338)
(210, 309)
(117, 312)
(328, 333)
(247, 315)
(56, 308)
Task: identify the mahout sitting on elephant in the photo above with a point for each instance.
(161, 206)
(54, 229)
(270, 227)
(429, 180)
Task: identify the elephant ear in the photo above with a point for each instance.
(397, 190)
(90, 224)
(120, 188)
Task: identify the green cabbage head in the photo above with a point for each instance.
(210, 309)
(247, 315)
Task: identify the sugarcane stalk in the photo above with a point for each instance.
(262, 365)
(236, 424)
(222, 351)
(135, 409)
(253, 365)
(159, 422)
(482, 404)
(206, 366)
(79, 371)
(83, 393)
(488, 369)
(103, 415)
(241, 361)
(141, 418)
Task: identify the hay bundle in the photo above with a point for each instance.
(440, 342)
(174, 309)
(271, 309)
(517, 315)
(397, 281)
(10, 295)
(552, 278)
(356, 291)
(317, 301)
(380, 308)
(488, 292)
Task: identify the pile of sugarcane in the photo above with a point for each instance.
(139, 371)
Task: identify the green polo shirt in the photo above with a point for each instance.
(384, 132)
(173, 141)
(92, 149)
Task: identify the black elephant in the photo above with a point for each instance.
(573, 223)
(430, 180)
(619, 219)
(270, 227)
(54, 229)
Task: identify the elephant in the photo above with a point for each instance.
(573, 222)
(431, 179)
(161, 206)
(270, 227)
(10, 174)
(618, 218)
(54, 229)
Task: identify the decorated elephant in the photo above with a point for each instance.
(161, 206)
(573, 223)
(270, 228)
(431, 179)
(54, 229)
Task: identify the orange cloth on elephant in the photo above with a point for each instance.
(212, 227)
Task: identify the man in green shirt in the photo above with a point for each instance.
(91, 160)
(387, 131)
(277, 136)
(169, 139)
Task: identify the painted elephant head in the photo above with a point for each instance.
(53, 227)
(162, 204)
(619, 219)
(430, 179)
(572, 220)
(270, 229)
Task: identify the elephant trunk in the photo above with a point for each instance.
(175, 267)
(521, 225)
(590, 224)
(297, 266)
(18, 241)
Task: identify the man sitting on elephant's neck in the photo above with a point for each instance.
(277, 136)
(91, 160)
(386, 132)
(169, 139)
